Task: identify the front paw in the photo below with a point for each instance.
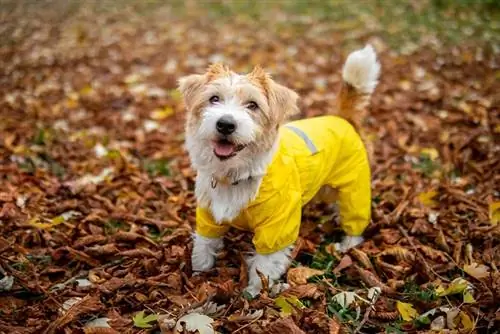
(204, 251)
(347, 243)
(253, 290)
(202, 261)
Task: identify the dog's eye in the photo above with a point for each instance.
(214, 99)
(252, 105)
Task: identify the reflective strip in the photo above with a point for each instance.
(305, 137)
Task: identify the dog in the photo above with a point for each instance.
(255, 171)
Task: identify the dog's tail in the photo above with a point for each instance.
(359, 79)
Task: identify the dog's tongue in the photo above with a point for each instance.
(224, 149)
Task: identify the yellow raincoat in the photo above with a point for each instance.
(312, 153)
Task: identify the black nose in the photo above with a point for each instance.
(226, 125)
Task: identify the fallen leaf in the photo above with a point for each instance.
(494, 212)
(469, 298)
(373, 294)
(344, 298)
(283, 326)
(438, 323)
(6, 283)
(466, 321)
(287, 304)
(476, 270)
(98, 323)
(426, 198)
(344, 263)
(406, 310)
(159, 114)
(195, 322)
(142, 321)
(458, 285)
(431, 152)
(300, 275)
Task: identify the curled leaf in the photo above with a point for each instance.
(195, 322)
(300, 275)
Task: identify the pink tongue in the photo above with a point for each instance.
(224, 149)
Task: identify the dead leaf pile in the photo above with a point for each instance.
(96, 190)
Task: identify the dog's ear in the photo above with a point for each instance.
(282, 101)
(189, 86)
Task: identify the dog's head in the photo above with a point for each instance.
(232, 118)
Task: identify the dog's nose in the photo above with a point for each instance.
(226, 125)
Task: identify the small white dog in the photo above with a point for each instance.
(256, 173)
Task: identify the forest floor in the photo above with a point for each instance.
(96, 190)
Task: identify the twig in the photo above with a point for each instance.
(366, 316)
(405, 234)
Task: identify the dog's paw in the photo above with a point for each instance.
(347, 243)
(253, 290)
(202, 261)
(278, 288)
(204, 251)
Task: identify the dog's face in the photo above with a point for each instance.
(232, 118)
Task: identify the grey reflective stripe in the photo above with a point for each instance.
(305, 137)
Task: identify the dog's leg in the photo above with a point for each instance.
(348, 242)
(204, 251)
(272, 266)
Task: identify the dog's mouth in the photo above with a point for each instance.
(225, 149)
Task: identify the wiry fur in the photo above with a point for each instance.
(258, 132)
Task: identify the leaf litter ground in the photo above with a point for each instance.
(96, 196)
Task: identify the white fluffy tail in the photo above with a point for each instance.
(361, 70)
(360, 77)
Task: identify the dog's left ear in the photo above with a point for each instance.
(189, 86)
(282, 101)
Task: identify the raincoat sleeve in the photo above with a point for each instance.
(206, 226)
(276, 222)
(353, 183)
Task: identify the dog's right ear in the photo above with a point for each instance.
(189, 86)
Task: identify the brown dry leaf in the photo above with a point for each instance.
(334, 327)
(344, 263)
(477, 271)
(402, 254)
(86, 305)
(373, 281)
(362, 258)
(285, 325)
(100, 331)
(300, 275)
(304, 291)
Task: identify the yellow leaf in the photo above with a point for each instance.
(440, 290)
(469, 298)
(431, 152)
(466, 321)
(494, 213)
(159, 114)
(408, 313)
(477, 270)
(87, 90)
(286, 304)
(55, 221)
(426, 198)
(458, 285)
